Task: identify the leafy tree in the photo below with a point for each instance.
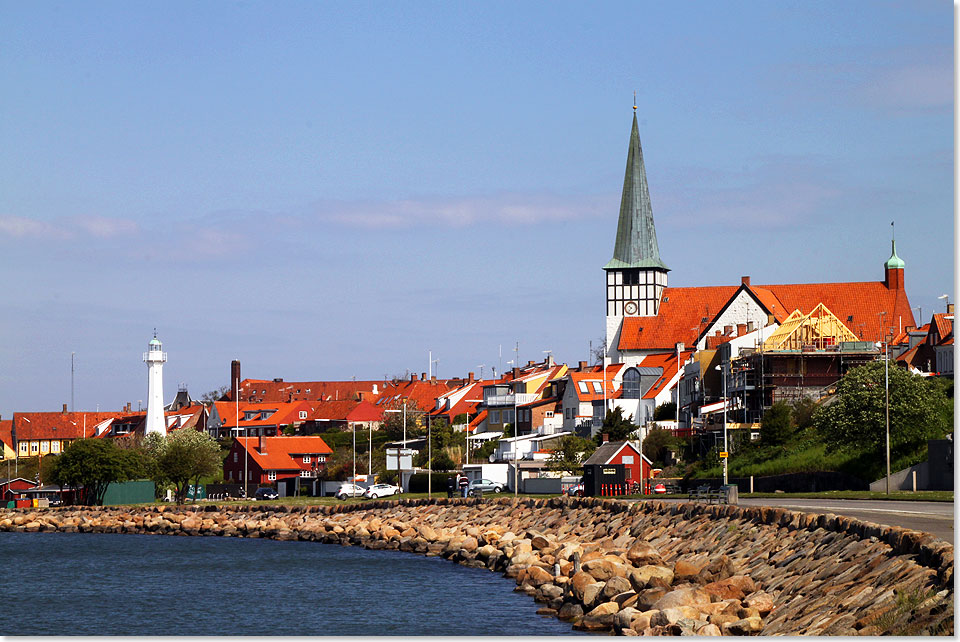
(569, 453)
(777, 425)
(656, 443)
(855, 420)
(666, 411)
(94, 464)
(487, 449)
(185, 456)
(617, 427)
(507, 431)
(215, 395)
(392, 424)
(803, 413)
(441, 460)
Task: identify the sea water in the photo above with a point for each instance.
(125, 584)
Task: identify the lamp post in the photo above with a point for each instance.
(723, 375)
(886, 391)
(680, 347)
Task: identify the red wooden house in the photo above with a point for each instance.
(636, 467)
(269, 459)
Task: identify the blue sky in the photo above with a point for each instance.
(331, 190)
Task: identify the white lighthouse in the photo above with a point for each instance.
(155, 356)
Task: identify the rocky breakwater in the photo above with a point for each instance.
(644, 568)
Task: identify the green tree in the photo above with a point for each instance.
(93, 464)
(777, 425)
(487, 449)
(392, 424)
(803, 413)
(185, 456)
(855, 420)
(569, 453)
(656, 443)
(666, 411)
(616, 426)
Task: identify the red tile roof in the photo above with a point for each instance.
(669, 364)
(6, 433)
(682, 310)
(59, 425)
(282, 453)
(588, 377)
(365, 411)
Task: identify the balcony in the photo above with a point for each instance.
(519, 399)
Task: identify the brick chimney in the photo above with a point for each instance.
(469, 377)
(234, 376)
(727, 330)
(64, 408)
(530, 363)
(582, 366)
(516, 373)
(949, 308)
(362, 395)
(433, 379)
(745, 280)
(413, 376)
(262, 444)
(741, 329)
(423, 376)
(606, 437)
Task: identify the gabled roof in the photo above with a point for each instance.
(820, 328)
(682, 310)
(941, 326)
(280, 452)
(59, 425)
(365, 411)
(606, 452)
(668, 365)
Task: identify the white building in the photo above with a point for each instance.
(155, 358)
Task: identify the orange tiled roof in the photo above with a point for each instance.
(286, 391)
(591, 395)
(943, 325)
(682, 310)
(6, 433)
(669, 364)
(281, 451)
(365, 411)
(59, 425)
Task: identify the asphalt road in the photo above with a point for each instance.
(930, 517)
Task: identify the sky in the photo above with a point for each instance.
(340, 190)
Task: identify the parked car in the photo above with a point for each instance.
(382, 490)
(349, 490)
(484, 485)
(576, 490)
(266, 493)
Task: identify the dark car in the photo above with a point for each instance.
(266, 493)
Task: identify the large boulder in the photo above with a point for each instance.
(650, 575)
(603, 569)
(682, 597)
(641, 554)
(616, 585)
(733, 587)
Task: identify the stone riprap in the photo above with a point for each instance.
(644, 568)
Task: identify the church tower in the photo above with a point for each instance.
(635, 276)
(155, 357)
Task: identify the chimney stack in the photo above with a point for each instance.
(949, 308)
(727, 330)
(530, 363)
(433, 379)
(469, 377)
(413, 376)
(741, 329)
(582, 366)
(516, 373)
(606, 437)
(234, 377)
(745, 280)
(423, 376)
(262, 444)
(64, 408)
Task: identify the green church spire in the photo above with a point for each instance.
(636, 244)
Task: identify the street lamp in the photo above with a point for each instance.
(886, 393)
(723, 375)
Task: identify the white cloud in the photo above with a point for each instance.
(102, 227)
(501, 209)
(66, 228)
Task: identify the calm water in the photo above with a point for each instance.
(111, 584)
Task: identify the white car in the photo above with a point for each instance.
(382, 490)
(350, 490)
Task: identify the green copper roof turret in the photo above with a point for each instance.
(636, 244)
(894, 262)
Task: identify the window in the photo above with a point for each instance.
(234, 457)
(303, 414)
(583, 386)
(44, 446)
(494, 416)
(306, 459)
(629, 473)
(631, 384)
(23, 447)
(34, 447)
(627, 459)
(54, 446)
(306, 473)
(548, 414)
(272, 475)
(597, 388)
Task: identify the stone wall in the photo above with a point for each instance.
(633, 568)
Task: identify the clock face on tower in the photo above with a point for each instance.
(630, 307)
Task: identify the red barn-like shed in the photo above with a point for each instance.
(636, 467)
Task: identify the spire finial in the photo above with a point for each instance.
(634, 101)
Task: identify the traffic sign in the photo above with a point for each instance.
(724, 455)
